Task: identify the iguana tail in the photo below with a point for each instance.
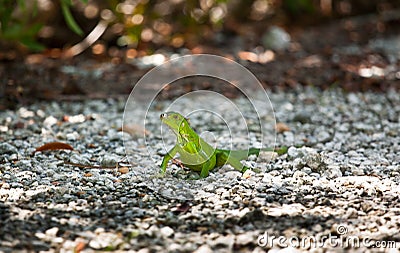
(233, 157)
(243, 154)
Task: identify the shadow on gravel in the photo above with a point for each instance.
(283, 222)
(19, 225)
(4, 216)
(27, 225)
(16, 233)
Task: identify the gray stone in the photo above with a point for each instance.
(276, 39)
(166, 231)
(79, 159)
(6, 148)
(302, 117)
(109, 160)
(332, 171)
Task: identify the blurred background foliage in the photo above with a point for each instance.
(145, 25)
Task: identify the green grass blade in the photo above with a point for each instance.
(70, 19)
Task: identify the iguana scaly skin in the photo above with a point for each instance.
(196, 153)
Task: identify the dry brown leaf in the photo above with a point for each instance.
(79, 247)
(135, 130)
(34, 59)
(281, 127)
(248, 56)
(183, 208)
(54, 146)
(91, 145)
(80, 193)
(123, 170)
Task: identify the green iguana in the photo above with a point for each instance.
(196, 153)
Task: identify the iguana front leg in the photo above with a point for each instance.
(207, 166)
(167, 158)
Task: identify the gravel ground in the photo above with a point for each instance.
(338, 182)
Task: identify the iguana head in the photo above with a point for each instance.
(175, 121)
